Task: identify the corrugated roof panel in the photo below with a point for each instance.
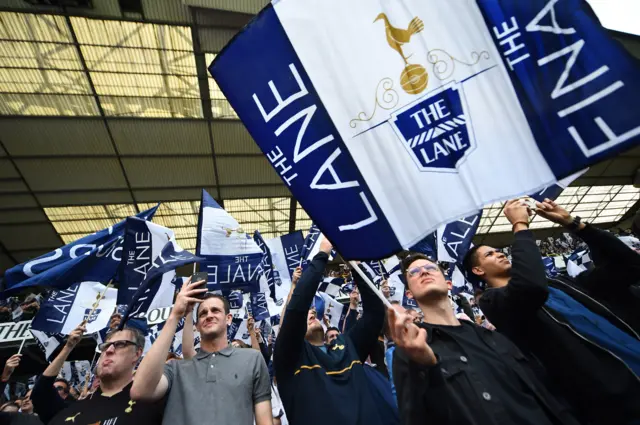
(161, 195)
(173, 208)
(13, 80)
(17, 201)
(161, 107)
(214, 39)
(84, 197)
(212, 17)
(22, 216)
(28, 236)
(166, 10)
(139, 61)
(7, 170)
(12, 186)
(35, 136)
(83, 227)
(18, 54)
(232, 137)
(169, 172)
(58, 104)
(27, 26)
(160, 137)
(238, 192)
(249, 170)
(260, 204)
(242, 6)
(59, 174)
(5, 263)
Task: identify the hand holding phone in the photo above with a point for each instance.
(197, 277)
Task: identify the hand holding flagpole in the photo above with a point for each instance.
(368, 281)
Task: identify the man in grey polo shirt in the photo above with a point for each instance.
(221, 384)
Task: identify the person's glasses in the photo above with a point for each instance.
(118, 345)
(429, 268)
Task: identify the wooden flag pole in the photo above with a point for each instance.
(95, 305)
(370, 283)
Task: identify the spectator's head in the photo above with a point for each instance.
(315, 333)
(213, 317)
(331, 334)
(483, 263)
(27, 405)
(120, 353)
(62, 386)
(425, 279)
(238, 343)
(10, 407)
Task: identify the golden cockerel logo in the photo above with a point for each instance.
(414, 77)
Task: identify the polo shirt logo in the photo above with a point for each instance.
(130, 408)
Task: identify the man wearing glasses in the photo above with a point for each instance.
(111, 403)
(450, 371)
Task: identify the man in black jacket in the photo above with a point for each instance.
(588, 358)
(321, 383)
(448, 371)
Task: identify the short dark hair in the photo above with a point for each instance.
(332, 328)
(65, 382)
(415, 256)
(395, 302)
(138, 336)
(470, 261)
(225, 302)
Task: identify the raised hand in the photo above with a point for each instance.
(297, 274)
(410, 338)
(326, 246)
(354, 298)
(115, 320)
(186, 299)
(10, 366)
(251, 323)
(553, 212)
(516, 212)
(75, 336)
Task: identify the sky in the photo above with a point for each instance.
(618, 15)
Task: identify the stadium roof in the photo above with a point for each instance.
(105, 111)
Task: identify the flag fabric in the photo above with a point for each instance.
(579, 262)
(64, 310)
(454, 239)
(143, 242)
(229, 255)
(421, 139)
(259, 307)
(332, 310)
(554, 190)
(285, 254)
(48, 343)
(93, 258)
(459, 282)
(311, 246)
(75, 372)
(176, 346)
(550, 266)
(270, 272)
(171, 257)
(331, 286)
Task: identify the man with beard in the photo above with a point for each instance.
(221, 384)
(111, 403)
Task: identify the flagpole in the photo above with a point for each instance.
(95, 305)
(21, 345)
(370, 283)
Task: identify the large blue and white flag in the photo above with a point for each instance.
(65, 309)
(143, 243)
(171, 257)
(554, 190)
(286, 254)
(93, 258)
(311, 246)
(229, 255)
(437, 122)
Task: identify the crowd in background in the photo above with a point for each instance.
(566, 351)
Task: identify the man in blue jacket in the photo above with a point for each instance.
(319, 382)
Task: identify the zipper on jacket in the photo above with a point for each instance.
(599, 303)
(591, 342)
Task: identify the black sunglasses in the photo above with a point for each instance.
(118, 345)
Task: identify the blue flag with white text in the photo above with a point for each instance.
(229, 255)
(269, 270)
(435, 127)
(171, 257)
(93, 258)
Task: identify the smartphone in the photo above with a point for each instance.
(528, 202)
(197, 277)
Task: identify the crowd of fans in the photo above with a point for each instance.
(525, 348)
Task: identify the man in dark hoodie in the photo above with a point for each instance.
(321, 382)
(588, 352)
